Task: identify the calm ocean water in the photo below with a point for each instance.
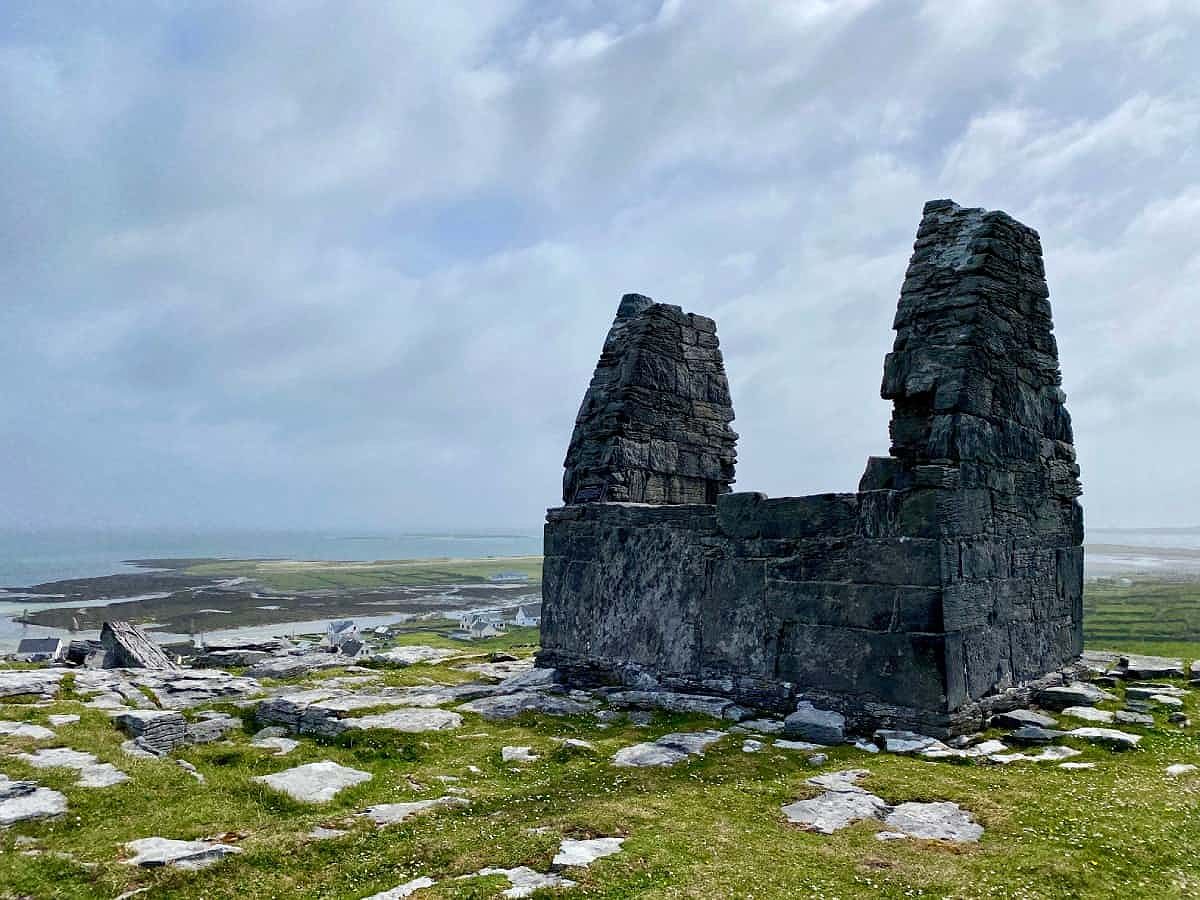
(33, 558)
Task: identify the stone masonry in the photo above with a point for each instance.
(949, 586)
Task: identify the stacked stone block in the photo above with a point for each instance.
(654, 424)
(950, 585)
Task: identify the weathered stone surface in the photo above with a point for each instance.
(211, 729)
(1132, 666)
(946, 587)
(60, 720)
(153, 852)
(509, 706)
(1077, 693)
(294, 666)
(92, 772)
(821, 726)
(159, 731)
(413, 654)
(1046, 754)
(584, 853)
(408, 721)
(846, 780)
(19, 682)
(1128, 717)
(128, 647)
(518, 754)
(893, 741)
(21, 801)
(394, 813)
(1178, 770)
(281, 745)
(1107, 737)
(1032, 734)
(934, 822)
(27, 730)
(317, 782)
(1018, 718)
(673, 702)
(834, 810)
(1088, 714)
(524, 881)
(668, 749)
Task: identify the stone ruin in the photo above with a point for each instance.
(949, 586)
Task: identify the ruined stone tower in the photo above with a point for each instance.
(654, 423)
(950, 584)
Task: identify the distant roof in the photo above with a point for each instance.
(39, 645)
(530, 609)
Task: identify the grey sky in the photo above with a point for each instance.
(349, 264)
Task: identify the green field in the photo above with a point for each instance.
(1143, 615)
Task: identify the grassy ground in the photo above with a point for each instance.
(707, 828)
(1159, 616)
(289, 575)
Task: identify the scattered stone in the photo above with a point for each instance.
(134, 749)
(906, 741)
(407, 721)
(803, 746)
(1128, 717)
(21, 801)
(211, 729)
(577, 744)
(1088, 714)
(1077, 693)
(942, 821)
(281, 745)
(1107, 737)
(20, 682)
(1047, 754)
(1148, 667)
(1180, 769)
(752, 746)
(153, 852)
(1180, 719)
(394, 813)
(834, 810)
(58, 721)
(667, 750)
(760, 726)
(417, 653)
(157, 730)
(985, 748)
(271, 731)
(509, 706)
(822, 726)
(1145, 689)
(584, 853)
(845, 781)
(294, 666)
(1019, 718)
(717, 707)
(1032, 734)
(1167, 700)
(317, 782)
(128, 647)
(518, 754)
(190, 769)
(1076, 766)
(524, 881)
(531, 679)
(25, 730)
(860, 744)
(405, 890)
(92, 772)
(817, 760)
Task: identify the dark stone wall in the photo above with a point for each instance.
(654, 424)
(951, 578)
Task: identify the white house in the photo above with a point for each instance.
(480, 627)
(529, 615)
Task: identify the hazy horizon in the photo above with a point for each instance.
(348, 267)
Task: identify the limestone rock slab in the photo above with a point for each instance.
(154, 852)
(317, 782)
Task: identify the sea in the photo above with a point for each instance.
(33, 558)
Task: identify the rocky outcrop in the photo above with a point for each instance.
(949, 587)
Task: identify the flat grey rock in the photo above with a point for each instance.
(822, 726)
(941, 821)
(1089, 714)
(26, 730)
(58, 758)
(407, 721)
(523, 881)
(385, 814)
(894, 741)
(1032, 734)
(317, 782)
(19, 682)
(1019, 718)
(58, 721)
(1107, 737)
(751, 745)
(281, 745)
(584, 853)
(1076, 766)
(672, 702)
(411, 655)
(294, 666)
(805, 746)
(153, 852)
(1077, 693)
(845, 781)
(691, 742)
(642, 755)
(1129, 717)
(509, 706)
(101, 775)
(518, 754)
(1144, 691)
(1180, 769)
(1045, 755)
(320, 833)
(834, 810)
(760, 726)
(1135, 666)
(974, 751)
(404, 890)
(137, 751)
(22, 801)
(530, 679)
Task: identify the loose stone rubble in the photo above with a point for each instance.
(128, 647)
(26, 730)
(92, 772)
(584, 853)
(386, 814)
(21, 801)
(156, 731)
(667, 750)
